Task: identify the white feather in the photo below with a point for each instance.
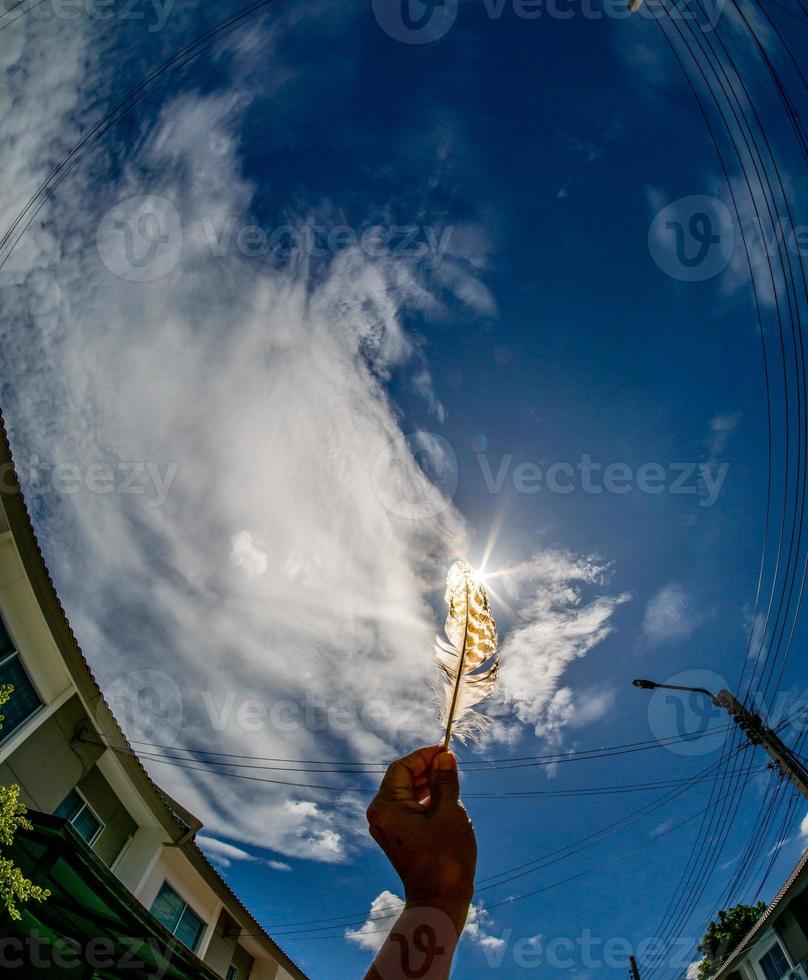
(467, 660)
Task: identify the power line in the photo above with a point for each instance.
(468, 765)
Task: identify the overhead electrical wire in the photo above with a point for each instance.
(786, 589)
(391, 911)
(561, 853)
(370, 768)
(687, 905)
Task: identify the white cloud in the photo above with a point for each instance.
(693, 970)
(670, 615)
(478, 928)
(294, 417)
(278, 865)
(645, 61)
(219, 849)
(385, 908)
(266, 387)
(721, 428)
(245, 555)
(224, 854)
(558, 625)
(591, 706)
(804, 826)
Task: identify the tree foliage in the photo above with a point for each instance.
(723, 935)
(14, 886)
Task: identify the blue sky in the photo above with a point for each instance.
(250, 466)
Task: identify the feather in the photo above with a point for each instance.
(467, 659)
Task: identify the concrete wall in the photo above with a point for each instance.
(44, 766)
(224, 951)
(27, 627)
(47, 767)
(138, 857)
(268, 970)
(795, 927)
(118, 824)
(244, 962)
(222, 944)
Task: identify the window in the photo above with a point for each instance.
(232, 972)
(169, 909)
(774, 964)
(24, 701)
(77, 810)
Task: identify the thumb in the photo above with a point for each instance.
(444, 788)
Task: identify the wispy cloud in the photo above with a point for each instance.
(279, 866)
(282, 602)
(721, 428)
(670, 615)
(288, 442)
(224, 854)
(560, 619)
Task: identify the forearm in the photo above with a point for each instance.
(421, 943)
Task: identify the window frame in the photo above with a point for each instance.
(775, 946)
(232, 972)
(7, 733)
(88, 806)
(186, 907)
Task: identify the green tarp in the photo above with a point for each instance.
(91, 926)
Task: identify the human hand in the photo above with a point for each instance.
(419, 822)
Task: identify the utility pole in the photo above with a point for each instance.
(752, 725)
(635, 973)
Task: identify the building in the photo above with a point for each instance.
(776, 948)
(132, 895)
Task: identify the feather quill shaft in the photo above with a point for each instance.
(467, 658)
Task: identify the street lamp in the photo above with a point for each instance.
(752, 725)
(652, 686)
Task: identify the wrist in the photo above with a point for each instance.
(455, 906)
